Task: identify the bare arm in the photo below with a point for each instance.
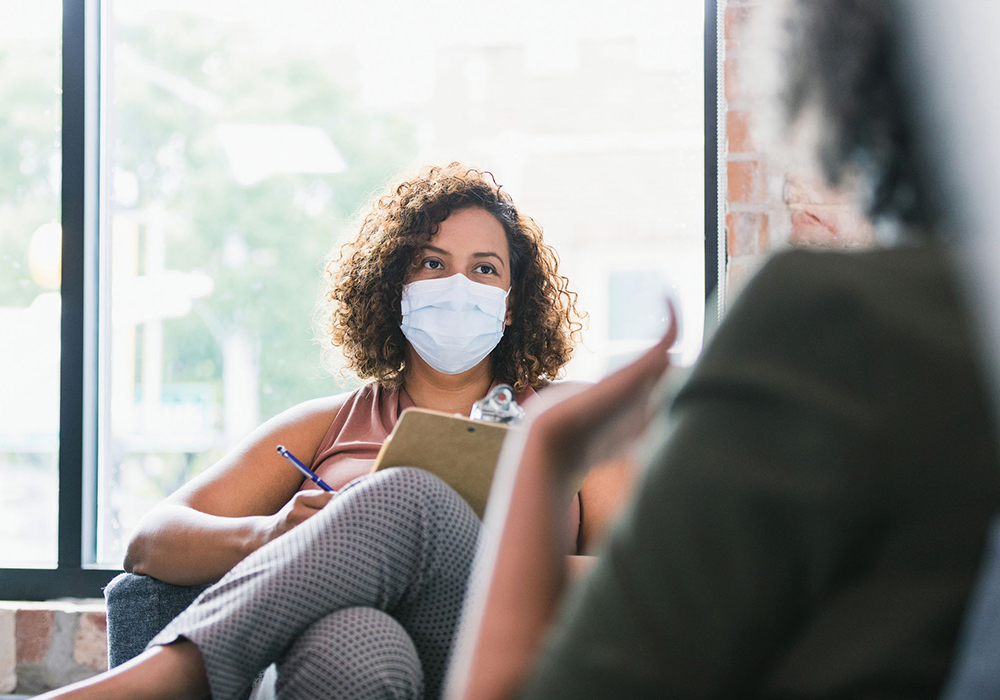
(522, 590)
(243, 501)
(605, 492)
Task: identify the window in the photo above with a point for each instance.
(239, 141)
(30, 235)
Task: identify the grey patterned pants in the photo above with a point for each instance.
(361, 600)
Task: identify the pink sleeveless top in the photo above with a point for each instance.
(352, 442)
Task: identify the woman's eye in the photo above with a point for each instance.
(433, 264)
(485, 269)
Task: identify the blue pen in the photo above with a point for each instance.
(309, 473)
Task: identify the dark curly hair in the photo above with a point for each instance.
(842, 56)
(365, 283)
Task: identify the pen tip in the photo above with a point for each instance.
(281, 448)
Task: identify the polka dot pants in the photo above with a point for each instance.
(361, 600)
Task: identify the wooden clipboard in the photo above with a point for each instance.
(462, 452)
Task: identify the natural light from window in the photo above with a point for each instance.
(30, 168)
(241, 141)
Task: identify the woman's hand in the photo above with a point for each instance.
(302, 506)
(578, 428)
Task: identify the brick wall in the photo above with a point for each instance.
(48, 645)
(772, 204)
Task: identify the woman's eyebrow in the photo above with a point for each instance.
(490, 255)
(435, 249)
(442, 251)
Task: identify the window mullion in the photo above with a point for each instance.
(73, 255)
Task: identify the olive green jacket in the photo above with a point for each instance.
(815, 510)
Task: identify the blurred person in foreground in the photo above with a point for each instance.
(817, 497)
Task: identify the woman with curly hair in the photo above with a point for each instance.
(447, 291)
(366, 282)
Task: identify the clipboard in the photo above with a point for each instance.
(461, 452)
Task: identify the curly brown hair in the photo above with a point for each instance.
(365, 282)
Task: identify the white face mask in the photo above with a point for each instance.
(453, 322)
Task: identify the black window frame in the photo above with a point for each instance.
(80, 159)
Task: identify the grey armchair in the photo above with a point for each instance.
(140, 606)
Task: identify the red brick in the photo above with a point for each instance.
(90, 647)
(736, 20)
(738, 131)
(748, 233)
(830, 227)
(747, 181)
(34, 635)
(732, 79)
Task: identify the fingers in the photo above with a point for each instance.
(641, 374)
(605, 419)
(673, 331)
(631, 382)
(304, 505)
(655, 360)
(314, 499)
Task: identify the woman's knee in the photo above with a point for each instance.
(403, 494)
(415, 485)
(352, 653)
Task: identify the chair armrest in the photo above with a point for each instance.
(138, 608)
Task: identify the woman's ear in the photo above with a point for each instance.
(509, 316)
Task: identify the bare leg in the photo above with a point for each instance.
(172, 672)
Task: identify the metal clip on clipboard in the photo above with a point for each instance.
(499, 406)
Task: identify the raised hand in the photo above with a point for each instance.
(582, 427)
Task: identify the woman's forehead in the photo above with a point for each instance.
(471, 230)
